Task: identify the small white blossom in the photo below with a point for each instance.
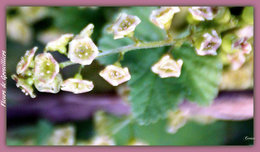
(115, 75)
(63, 136)
(50, 86)
(176, 120)
(46, 68)
(167, 67)
(125, 25)
(245, 32)
(102, 140)
(59, 44)
(77, 85)
(25, 61)
(82, 50)
(26, 87)
(202, 13)
(236, 59)
(162, 17)
(210, 44)
(242, 45)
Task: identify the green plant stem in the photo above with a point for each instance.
(131, 47)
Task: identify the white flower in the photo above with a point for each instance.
(202, 13)
(46, 68)
(242, 45)
(236, 59)
(245, 32)
(115, 75)
(125, 25)
(210, 44)
(25, 85)
(63, 136)
(82, 50)
(162, 17)
(167, 67)
(102, 140)
(51, 86)
(77, 85)
(25, 61)
(59, 44)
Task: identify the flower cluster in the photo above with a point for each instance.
(43, 71)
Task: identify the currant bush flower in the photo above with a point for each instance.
(125, 25)
(115, 75)
(245, 32)
(208, 44)
(25, 85)
(59, 44)
(82, 50)
(232, 43)
(25, 61)
(162, 17)
(167, 67)
(46, 68)
(176, 120)
(201, 13)
(102, 140)
(77, 85)
(63, 136)
(236, 59)
(50, 86)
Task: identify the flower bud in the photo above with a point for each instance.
(248, 15)
(222, 15)
(77, 85)
(176, 120)
(25, 61)
(167, 67)
(87, 31)
(208, 44)
(46, 68)
(25, 85)
(245, 32)
(59, 44)
(63, 136)
(125, 25)
(51, 86)
(163, 17)
(82, 50)
(115, 75)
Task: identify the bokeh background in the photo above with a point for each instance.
(68, 119)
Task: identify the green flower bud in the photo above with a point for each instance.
(248, 15)
(25, 85)
(59, 44)
(222, 15)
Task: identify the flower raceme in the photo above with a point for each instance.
(125, 25)
(167, 67)
(77, 85)
(208, 44)
(115, 75)
(163, 17)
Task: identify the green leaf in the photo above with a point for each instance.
(151, 96)
(44, 130)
